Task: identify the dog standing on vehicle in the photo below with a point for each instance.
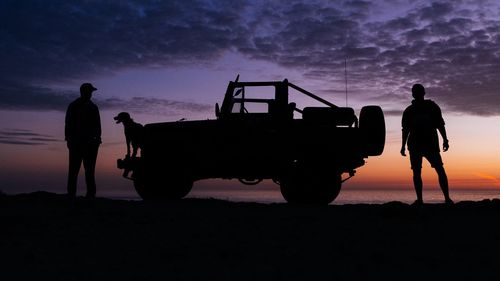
(133, 136)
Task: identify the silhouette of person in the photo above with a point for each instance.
(83, 137)
(420, 121)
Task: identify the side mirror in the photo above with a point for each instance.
(217, 110)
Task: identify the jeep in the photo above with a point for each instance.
(305, 150)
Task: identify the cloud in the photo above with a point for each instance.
(490, 178)
(453, 49)
(70, 39)
(66, 41)
(155, 106)
(15, 96)
(435, 10)
(25, 137)
(33, 98)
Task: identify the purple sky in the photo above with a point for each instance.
(49, 47)
(163, 60)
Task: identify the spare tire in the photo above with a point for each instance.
(372, 127)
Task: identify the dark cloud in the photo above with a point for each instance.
(154, 106)
(400, 24)
(15, 96)
(70, 39)
(451, 48)
(25, 137)
(32, 98)
(435, 11)
(61, 41)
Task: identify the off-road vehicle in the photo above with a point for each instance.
(304, 150)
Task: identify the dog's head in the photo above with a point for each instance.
(122, 117)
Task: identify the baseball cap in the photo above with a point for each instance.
(87, 87)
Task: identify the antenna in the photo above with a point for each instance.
(345, 73)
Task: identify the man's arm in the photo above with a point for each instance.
(98, 125)
(68, 125)
(446, 144)
(405, 133)
(440, 126)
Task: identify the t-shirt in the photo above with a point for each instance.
(421, 119)
(83, 123)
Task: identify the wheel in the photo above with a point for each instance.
(303, 186)
(151, 186)
(372, 127)
(175, 189)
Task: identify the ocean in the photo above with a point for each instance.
(357, 196)
(346, 196)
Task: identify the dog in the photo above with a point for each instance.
(133, 136)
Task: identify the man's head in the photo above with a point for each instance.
(418, 91)
(86, 90)
(122, 117)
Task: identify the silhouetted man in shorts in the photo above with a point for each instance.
(83, 137)
(421, 121)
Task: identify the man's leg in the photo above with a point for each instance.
(416, 166)
(417, 182)
(89, 162)
(443, 183)
(75, 162)
(437, 164)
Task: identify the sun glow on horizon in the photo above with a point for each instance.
(471, 163)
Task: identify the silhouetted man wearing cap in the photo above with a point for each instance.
(420, 121)
(83, 137)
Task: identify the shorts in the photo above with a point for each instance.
(434, 159)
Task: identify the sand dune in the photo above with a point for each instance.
(44, 236)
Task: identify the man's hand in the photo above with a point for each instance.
(446, 145)
(403, 151)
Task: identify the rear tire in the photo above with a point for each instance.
(372, 127)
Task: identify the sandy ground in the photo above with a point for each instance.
(45, 237)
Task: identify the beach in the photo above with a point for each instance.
(46, 236)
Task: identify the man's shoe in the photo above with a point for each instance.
(90, 196)
(418, 202)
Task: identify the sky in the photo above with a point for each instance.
(167, 60)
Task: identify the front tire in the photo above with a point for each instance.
(303, 186)
(152, 186)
